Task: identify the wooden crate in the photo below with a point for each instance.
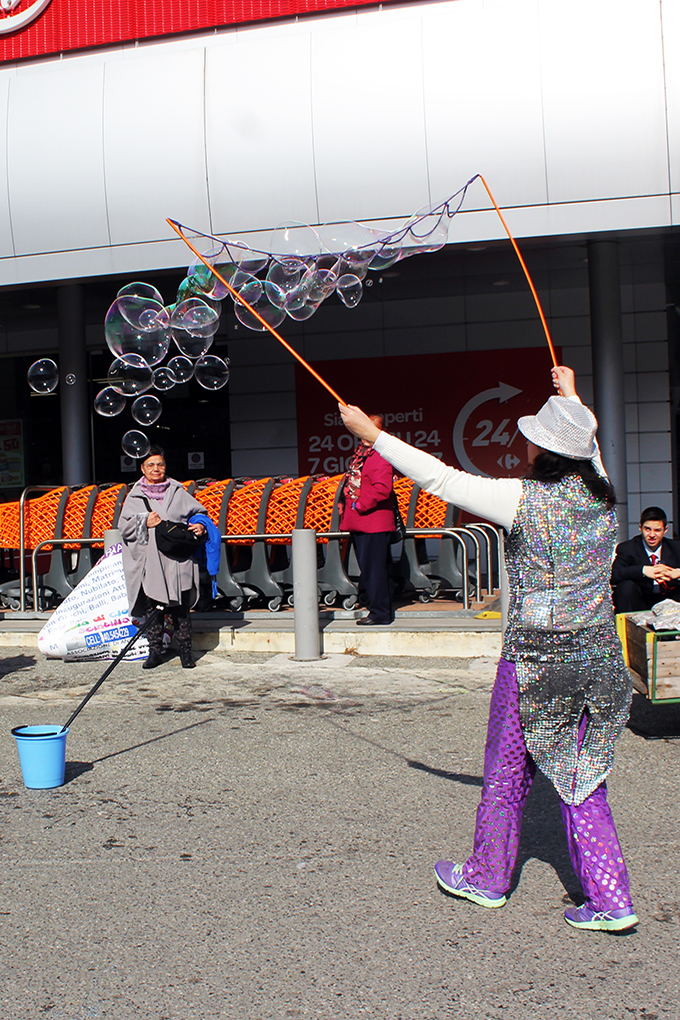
(655, 657)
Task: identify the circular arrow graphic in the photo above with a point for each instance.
(501, 393)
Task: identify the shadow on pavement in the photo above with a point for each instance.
(76, 768)
(654, 721)
(543, 837)
(455, 777)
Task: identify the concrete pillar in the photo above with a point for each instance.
(73, 389)
(607, 348)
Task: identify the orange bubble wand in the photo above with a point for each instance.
(177, 228)
(526, 272)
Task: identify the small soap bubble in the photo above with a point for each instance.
(324, 278)
(142, 313)
(212, 373)
(305, 311)
(135, 444)
(272, 315)
(201, 279)
(130, 375)
(146, 409)
(191, 346)
(249, 286)
(43, 376)
(247, 260)
(164, 378)
(195, 317)
(109, 402)
(349, 289)
(181, 368)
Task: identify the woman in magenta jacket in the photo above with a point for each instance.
(367, 504)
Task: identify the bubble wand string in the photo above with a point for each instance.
(177, 228)
(526, 271)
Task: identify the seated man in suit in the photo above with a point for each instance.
(646, 569)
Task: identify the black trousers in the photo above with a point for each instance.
(180, 618)
(630, 597)
(373, 556)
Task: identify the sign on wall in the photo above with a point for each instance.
(461, 407)
(31, 28)
(11, 454)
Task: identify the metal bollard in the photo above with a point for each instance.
(305, 595)
(112, 537)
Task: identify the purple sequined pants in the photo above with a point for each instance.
(508, 773)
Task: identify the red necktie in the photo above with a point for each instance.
(655, 559)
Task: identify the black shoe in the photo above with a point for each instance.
(186, 658)
(368, 621)
(155, 659)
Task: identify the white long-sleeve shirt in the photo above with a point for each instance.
(495, 499)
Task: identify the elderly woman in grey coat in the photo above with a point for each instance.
(152, 578)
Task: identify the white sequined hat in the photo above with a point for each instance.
(563, 426)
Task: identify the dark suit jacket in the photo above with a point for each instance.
(631, 557)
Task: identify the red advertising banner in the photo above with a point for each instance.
(461, 407)
(31, 28)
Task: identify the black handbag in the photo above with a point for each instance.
(175, 540)
(399, 533)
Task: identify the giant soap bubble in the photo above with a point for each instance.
(299, 269)
(146, 409)
(43, 376)
(130, 375)
(211, 372)
(135, 444)
(109, 402)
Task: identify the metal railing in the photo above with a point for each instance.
(458, 534)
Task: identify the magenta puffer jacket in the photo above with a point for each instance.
(373, 510)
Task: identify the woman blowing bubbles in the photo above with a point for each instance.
(562, 691)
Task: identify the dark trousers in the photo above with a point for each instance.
(180, 619)
(373, 556)
(630, 597)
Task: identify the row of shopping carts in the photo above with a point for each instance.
(51, 537)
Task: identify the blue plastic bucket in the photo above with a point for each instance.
(42, 755)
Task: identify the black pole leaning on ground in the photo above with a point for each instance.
(110, 669)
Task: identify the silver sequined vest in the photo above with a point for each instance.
(558, 557)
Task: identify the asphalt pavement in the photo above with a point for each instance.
(255, 839)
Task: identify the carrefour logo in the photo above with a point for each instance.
(13, 22)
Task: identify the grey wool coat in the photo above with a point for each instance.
(145, 567)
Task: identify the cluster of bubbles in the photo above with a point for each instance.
(301, 268)
(140, 331)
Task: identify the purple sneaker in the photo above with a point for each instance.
(600, 920)
(450, 878)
